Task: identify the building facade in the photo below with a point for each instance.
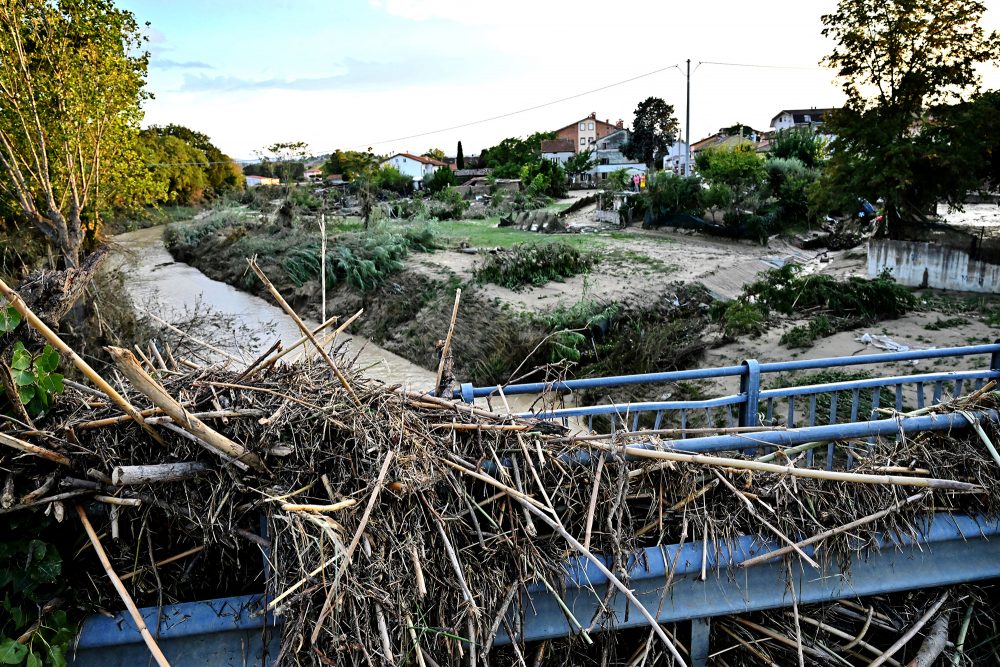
(586, 131)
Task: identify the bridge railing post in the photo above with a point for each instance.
(750, 388)
(995, 358)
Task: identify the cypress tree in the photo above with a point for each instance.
(460, 157)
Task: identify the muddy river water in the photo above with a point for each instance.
(175, 287)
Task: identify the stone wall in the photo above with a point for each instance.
(921, 264)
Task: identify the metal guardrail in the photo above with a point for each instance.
(754, 405)
(946, 550)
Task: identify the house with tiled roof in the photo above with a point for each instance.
(558, 150)
(417, 167)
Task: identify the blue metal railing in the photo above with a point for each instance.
(753, 405)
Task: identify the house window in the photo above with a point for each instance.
(583, 126)
(583, 141)
(604, 176)
(590, 126)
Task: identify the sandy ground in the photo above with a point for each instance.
(721, 265)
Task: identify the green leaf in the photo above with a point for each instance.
(48, 360)
(23, 378)
(26, 393)
(56, 657)
(21, 359)
(9, 319)
(12, 653)
(51, 383)
(33, 660)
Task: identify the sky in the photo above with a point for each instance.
(411, 75)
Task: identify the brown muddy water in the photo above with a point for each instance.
(174, 287)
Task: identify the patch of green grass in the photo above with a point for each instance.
(628, 236)
(631, 257)
(486, 234)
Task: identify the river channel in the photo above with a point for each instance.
(175, 287)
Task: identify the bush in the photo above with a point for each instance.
(533, 265)
(442, 178)
(668, 195)
(391, 179)
(739, 318)
(407, 209)
(448, 204)
(790, 181)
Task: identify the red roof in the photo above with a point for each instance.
(420, 158)
(558, 146)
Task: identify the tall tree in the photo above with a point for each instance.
(580, 163)
(897, 61)
(222, 172)
(435, 154)
(460, 157)
(72, 80)
(653, 130)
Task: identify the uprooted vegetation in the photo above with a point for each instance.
(533, 264)
(401, 525)
(830, 304)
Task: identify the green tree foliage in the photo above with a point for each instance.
(460, 157)
(391, 179)
(800, 143)
(899, 62)
(180, 170)
(441, 178)
(224, 175)
(72, 78)
(288, 159)
(435, 154)
(737, 181)
(544, 178)
(790, 182)
(349, 164)
(580, 163)
(617, 181)
(668, 195)
(508, 157)
(653, 130)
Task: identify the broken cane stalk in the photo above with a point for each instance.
(14, 299)
(303, 328)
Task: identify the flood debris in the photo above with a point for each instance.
(399, 527)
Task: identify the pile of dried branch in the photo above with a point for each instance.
(402, 528)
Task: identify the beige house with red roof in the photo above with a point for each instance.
(587, 131)
(416, 167)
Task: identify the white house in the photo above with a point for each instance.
(416, 167)
(558, 150)
(254, 181)
(676, 157)
(789, 118)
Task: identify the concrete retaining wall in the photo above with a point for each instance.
(917, 264)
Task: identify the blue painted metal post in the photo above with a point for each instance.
(995, 359)
(750, 387)
(701, 628)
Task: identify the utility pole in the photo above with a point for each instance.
(687, 125)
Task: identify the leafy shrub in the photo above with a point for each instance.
(447, 204)
(35, 377)
(790, 181)
(441, 178)
(668, 195)
(739, 318)
(30, 570)
(407, 209)
(533, 265)
(391, 179)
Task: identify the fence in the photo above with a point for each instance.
(847, 401)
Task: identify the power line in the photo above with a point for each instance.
(761, 66)
(514, 113)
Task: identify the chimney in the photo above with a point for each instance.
(593, 114)
(620, 124)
